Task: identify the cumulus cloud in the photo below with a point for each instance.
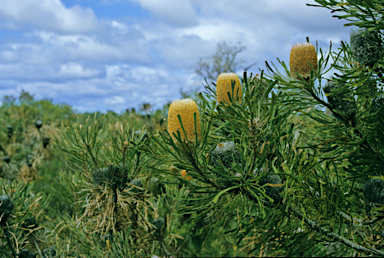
(176, 13)
(76, 70)
(49, 15)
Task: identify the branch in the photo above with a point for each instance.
(325, 231)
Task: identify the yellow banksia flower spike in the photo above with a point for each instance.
(186, 108)
(224, 85)
(301, 54)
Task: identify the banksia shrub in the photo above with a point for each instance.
(224, 86)
(338, 100)
(366, 49)
(374, 190)
(301, 55)
(185, 108)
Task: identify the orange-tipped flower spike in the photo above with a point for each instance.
(186, 108)
(183, 173)
(224, 86)
(301, 54)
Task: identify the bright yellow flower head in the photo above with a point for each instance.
(186, 109)
(301, 54)
(224, 85)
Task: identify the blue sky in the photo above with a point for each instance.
(99, 55)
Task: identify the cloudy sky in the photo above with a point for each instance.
(99, 55)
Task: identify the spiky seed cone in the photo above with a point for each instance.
(186, 108)
(275, 192)
(339, 100)
(38, 124)
(7, 159)
(46, 141)
(6, 208)
(377, 104)
(30, 223)
(158, 223)
(225, 154)
(10, 131)
(366, 49)
(224, 85)
(374, 190)
(49, 252)
(301, 54)
(25, 253)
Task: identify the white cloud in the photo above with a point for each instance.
(114, 100)
(119, 27)
(49, 15)
(76, 70)
(176, 13)
(94, 48)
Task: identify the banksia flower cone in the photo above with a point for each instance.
(366, 49)
(301, 54)
(224, 86)
(186, 109)
(340, 101)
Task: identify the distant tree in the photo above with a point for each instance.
(8, 99)
(25, 96)
(146, 107)
(223, 61)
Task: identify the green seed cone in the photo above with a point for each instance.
(366, 49)
(339, 100)
(374, 190)
(273, 191)
(6, 208)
